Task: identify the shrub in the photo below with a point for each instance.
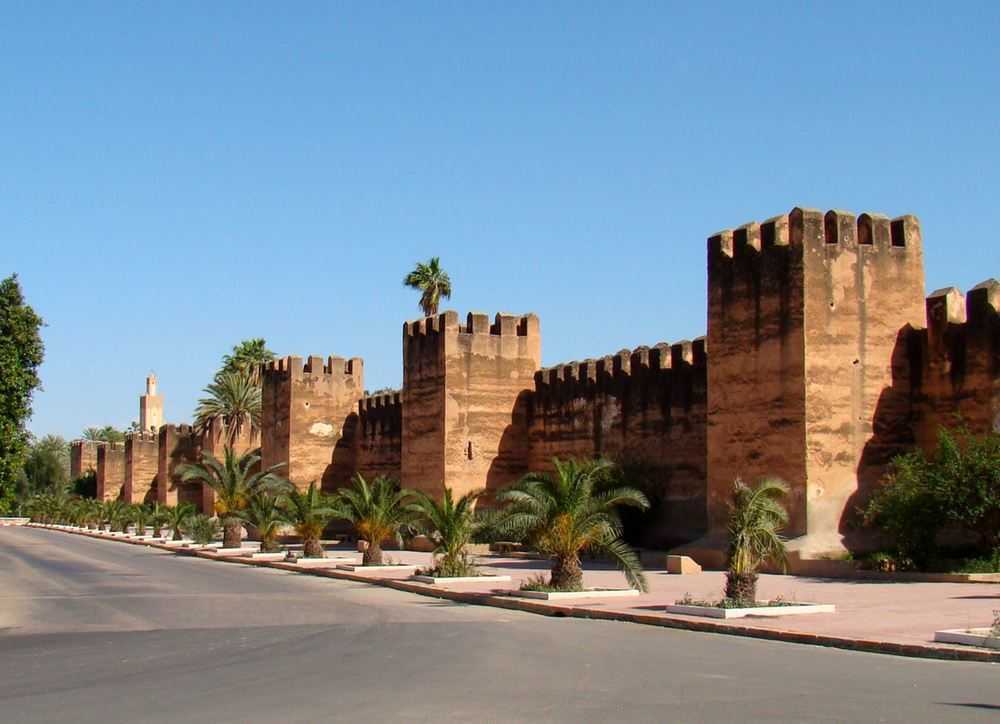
(203, 530)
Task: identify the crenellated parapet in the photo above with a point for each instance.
(380, 425)
(679, 363)
(465, 383)
(381, 414)
(309, 417)
(955, 362)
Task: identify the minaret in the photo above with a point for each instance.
(150, 407)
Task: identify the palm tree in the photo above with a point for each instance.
(451, 525)
(202, 529)
(233, 399)
(265, 513)
(568, 512)
(139, 514)
(433, 283)
(309, 512)
(118, 515)
(378, 511)
(159, 516)
(755, 518)
(233, 482)
(248, 357)
(177, 519)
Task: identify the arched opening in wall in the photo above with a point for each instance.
(830, 227)
(866, 234)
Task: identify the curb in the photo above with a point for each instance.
(583, 612)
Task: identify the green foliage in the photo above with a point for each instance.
(103, 434)
(378, 511)
(247, 358)
(21, 353)
(85, 486)
(958, 484)
(203, 529)
(46, 466)
(450, 525)
(756, 517)
(139, 516)
(573, 510)
(177, 519)
(433, 283)
(265, 513)
(234, 399)
(309, 512)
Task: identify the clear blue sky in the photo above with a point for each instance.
(177, 176)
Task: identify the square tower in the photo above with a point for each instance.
(83, 457)
(308, 419)
(110, 470)
(150, 407)
(808, 317)
(465, 400)
(177, 445)
(141, 467)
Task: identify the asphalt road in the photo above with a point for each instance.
(98, 631)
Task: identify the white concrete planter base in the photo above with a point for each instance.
(968, 636)
(317, 562)
(571, 595)
(200, 547)
(795, 609)
(276, 556)
(359, 567)
(177, 543)
(438, 580)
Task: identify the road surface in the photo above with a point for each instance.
(99, 631)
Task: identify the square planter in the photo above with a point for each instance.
(572, 595)
(439, 580)
(200, 547)
(275, 556)
(392, 567)
(249, 550)
(793, 609)
(177, 543)
(969, 637)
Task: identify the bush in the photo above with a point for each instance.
(203, 530)
(958, 484)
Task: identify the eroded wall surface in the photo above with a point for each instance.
(142, 463)
(380, 429)
(82, 457)
(110, 470)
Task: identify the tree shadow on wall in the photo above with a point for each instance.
(892, 434)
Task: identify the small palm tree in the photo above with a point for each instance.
(139, 515)
(265, 513)
(309, 512)
(451, 525)
(203, 529)
(233, 482)
(755, 518)
(159, 516)
(563, 514)
(234, 399)
(378, 512)
(432, 282)
(178, 518)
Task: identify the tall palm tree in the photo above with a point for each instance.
(378, 512)
(265, 513)
(177, 519)
(309, 512)
(572, 510)
(450, 525)
(233, 481)
(247, 357)
(233, 399)
(755, 518)
(432, 282)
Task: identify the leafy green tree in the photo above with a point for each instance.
(378, 511)
(21, 353)
(234, 399)
(46, 465)
(755, 519)
(233, 480)
(309, 512)
(85, 486)
(247, 358)
(432, 282)
(450, 525)
(565, 513)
